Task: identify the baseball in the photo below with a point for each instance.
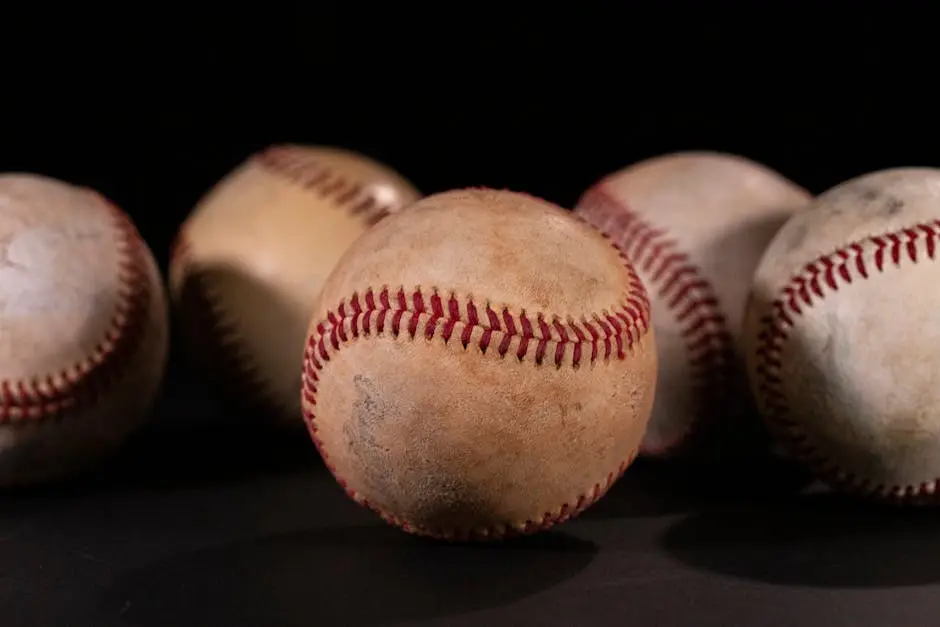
(83, 329)
(695, 224)
(839, 330)
(251, 257)
(480, 365)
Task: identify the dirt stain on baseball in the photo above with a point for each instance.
(907, 431)
(881, 202)
(796, 238)
(569, 411)
(433, 489)
(370, 410)
(369, 407)
(5, 260)
(893, 206)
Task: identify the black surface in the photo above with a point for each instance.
(202, 521)
(199, 523)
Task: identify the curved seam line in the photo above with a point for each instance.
(805, 290)
(317, 345)
(207, 316)
(666, 263)
(292, 163)
(76, 386)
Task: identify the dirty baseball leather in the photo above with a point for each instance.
(85, 330)
(695, 224)
(441, 436)
(850, 391)
(194, 524)
(253, 254)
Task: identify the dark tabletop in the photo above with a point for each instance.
(198, 525)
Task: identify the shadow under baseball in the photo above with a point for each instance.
(340, 576)
(165, 458)
(654, 487)
(822, 540)
(203, 456)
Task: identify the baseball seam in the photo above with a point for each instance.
(208, 322)
(819, 278)
(83, 383)
(684, 291)
(546, 341)
(215, 335)
(307, 171)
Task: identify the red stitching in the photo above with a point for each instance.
(827, 274)
(212, 337)
(83, 383)
(203, 317)
(683, 290)
(309, 172)
(546, 341)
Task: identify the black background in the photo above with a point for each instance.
(152, 104)
(152, 107)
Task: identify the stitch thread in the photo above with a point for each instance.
(84, 383)
(211, 335)
(309, 172)
(204, 316)
(546, 341)
(819, 278)
(684, 292)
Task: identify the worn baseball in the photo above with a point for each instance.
(694, 224)
(480, 365)
(83, 329)
(839, 335)
(251, 258)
